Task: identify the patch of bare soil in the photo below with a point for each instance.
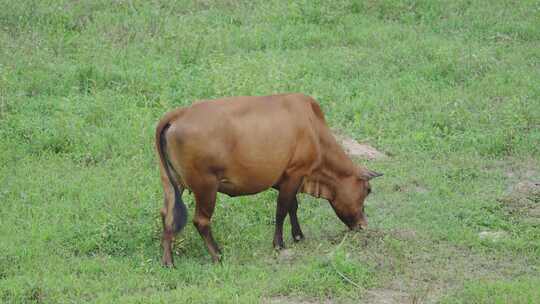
(523, 201)
(526, 171)
(387, 296)
(293, 300)
(356, 149)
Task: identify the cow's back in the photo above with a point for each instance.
(246, 143)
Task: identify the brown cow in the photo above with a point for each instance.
(245, 145)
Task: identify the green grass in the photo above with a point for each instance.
(448, 89)
(519, 291)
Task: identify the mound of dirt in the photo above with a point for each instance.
(356, 149)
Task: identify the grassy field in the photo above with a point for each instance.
(449, 90)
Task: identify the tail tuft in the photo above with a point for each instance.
(180, 212)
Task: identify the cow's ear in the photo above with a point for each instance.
(366, 174)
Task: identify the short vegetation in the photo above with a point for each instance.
(448, 90)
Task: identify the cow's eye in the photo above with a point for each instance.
(368, 190)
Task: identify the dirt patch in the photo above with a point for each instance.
(398, 292)
(522, 171)
(294, 300)
(523, 200)
(412, 291)
(528, 189)
(387, 296)
(356, 149)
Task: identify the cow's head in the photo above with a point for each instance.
(349, 195)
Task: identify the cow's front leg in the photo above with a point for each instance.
(286, 202)
(281, 213)
(295, 226)
(205, 199)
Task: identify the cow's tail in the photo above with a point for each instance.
(175, 215)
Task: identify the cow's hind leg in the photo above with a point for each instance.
(286, 203)
(295, 226)
(205, 198)
(167, 216)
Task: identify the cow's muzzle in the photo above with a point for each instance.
(360, 224)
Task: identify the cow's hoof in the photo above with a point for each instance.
(279, 246)
(216, 259)
(167, 264)
(298, 237)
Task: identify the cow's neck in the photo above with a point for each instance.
(334, 158)
(335, 164)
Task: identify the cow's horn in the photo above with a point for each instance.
(367, 174)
